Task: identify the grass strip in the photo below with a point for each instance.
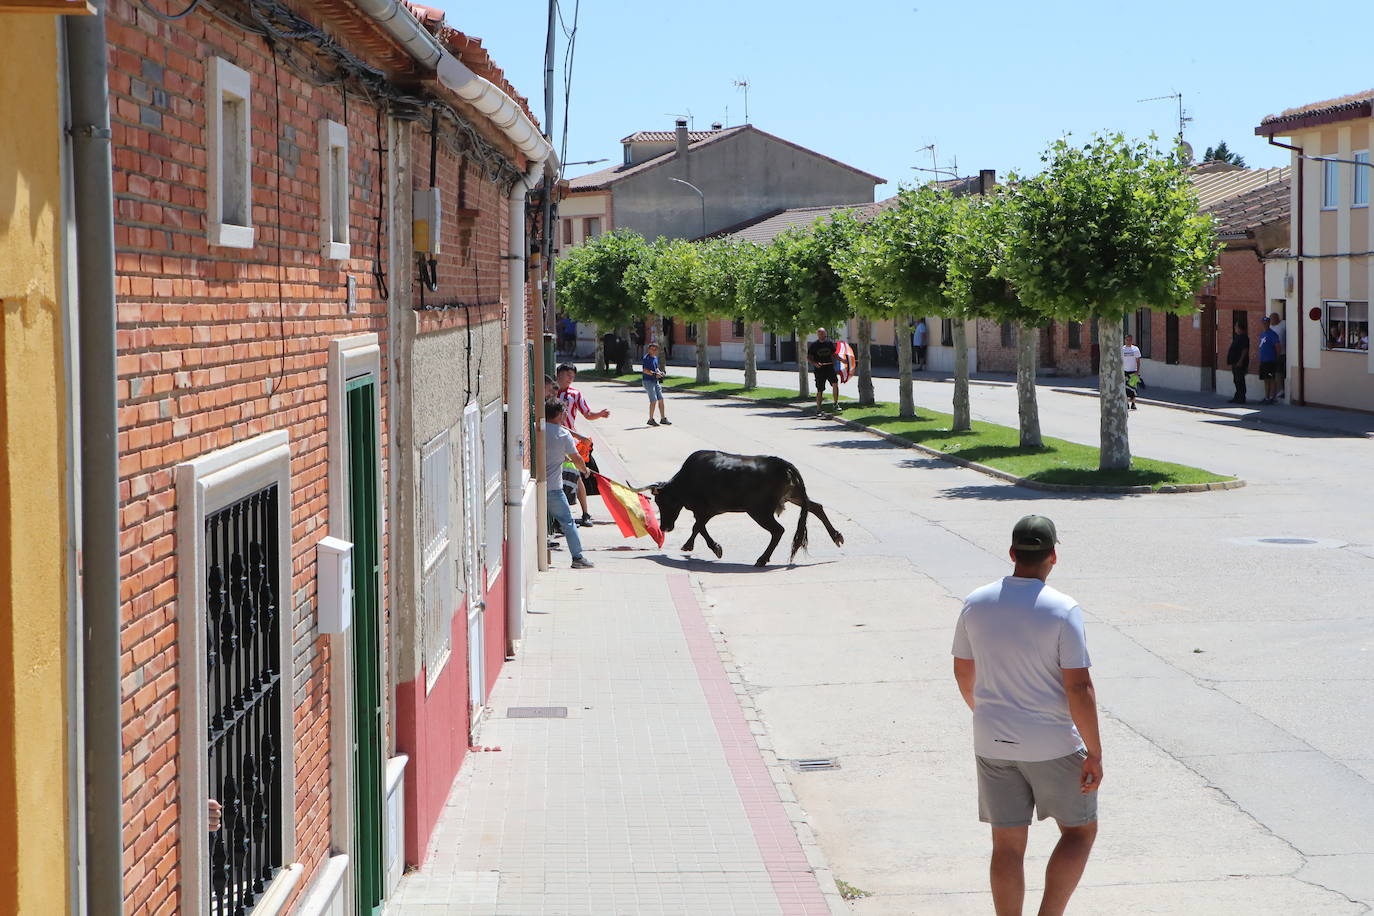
(1056, 462)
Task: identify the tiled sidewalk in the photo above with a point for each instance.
(651, 797)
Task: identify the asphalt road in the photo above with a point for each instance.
(1234, 670)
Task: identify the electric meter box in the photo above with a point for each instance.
(334, 585)
(425, 225)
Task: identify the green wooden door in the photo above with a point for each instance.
(367, 681)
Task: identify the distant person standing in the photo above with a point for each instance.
(1269, 350)
(1238, 358)
(1280, 328)
(820, 353)
(919, 339)
(1130, 365)
(1021, 662)
(652, 373)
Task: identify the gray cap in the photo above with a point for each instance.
(1034, 532)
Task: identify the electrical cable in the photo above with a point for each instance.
(170, 17)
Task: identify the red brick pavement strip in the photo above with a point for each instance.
(799, 892)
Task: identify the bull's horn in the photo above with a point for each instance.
(646, 489)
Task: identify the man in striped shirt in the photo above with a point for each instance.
(575, 405)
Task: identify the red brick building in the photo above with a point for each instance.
(286, 363)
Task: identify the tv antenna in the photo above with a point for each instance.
(743, 86)
(688, 117)
(1184, 148)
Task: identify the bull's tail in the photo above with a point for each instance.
(798, 495)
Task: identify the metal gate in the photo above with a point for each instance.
(367, 679)
(243, 669)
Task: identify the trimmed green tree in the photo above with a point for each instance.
(1106, 228)
(814, 283)
(673, 274)
(592, 282)
(977, 289)
(765, 293)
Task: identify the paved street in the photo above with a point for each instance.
(1235, 674)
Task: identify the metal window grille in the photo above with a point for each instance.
(493, 460)
(436, 577)
(243, 669)
(474, 503)
(1075, 335)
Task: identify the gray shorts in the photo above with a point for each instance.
(1009, 789)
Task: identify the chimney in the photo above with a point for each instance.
(682, 139)
(987, 180)
(715, 125)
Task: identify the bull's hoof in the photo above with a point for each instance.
(687, 548)
(839, 540)
(760, 563)
(715, 549)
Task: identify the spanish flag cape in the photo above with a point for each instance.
(633, 512)
(845, 360)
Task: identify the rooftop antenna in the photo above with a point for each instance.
(743, 86)
(1184, 148)
(688, 117)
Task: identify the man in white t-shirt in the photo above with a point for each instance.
(1130, 363)
(1021, 662)
(920, 337)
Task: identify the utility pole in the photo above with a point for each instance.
(538, 316)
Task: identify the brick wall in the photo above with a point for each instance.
(217, 345)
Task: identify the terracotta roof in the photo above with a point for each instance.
(765, 228)
(469, 50)
(667, 136)
(595, 181)
(1345, 108)
(1243, 214)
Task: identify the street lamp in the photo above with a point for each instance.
(703, 202)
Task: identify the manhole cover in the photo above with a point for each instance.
(536, 712)
(1288, 541)
(812, 764)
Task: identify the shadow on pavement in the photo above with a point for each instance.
(862, 443)
(1008, 492)
(1282, 428)
(694, 564)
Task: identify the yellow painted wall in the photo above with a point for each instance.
(34, 845)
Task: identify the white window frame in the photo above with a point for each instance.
(204, 486)
(1331, 185)
(1329, 312)
(226, 86)
(335, 193)
(1361, 177)
(493, 466)
(436, 556)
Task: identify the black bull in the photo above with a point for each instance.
(711, 483)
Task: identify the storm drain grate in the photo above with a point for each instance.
(1287, 541)
(814, 764)
(537, 712)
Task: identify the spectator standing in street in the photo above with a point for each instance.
(919, 339)
(1021, 662)
(559, 446)
(1130, 364)
(574, 404)
(1238, 358)
(820, 353)
(652, 373)
(1280, 328)
(1270, 348)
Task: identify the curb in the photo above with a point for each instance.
(1256, 418)
(796, 815)
(991, 471)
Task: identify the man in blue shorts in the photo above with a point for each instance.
(1021, 662)
(1270, 351)
(652, 373)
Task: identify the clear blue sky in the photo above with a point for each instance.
(869, 82)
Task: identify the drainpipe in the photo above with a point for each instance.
(1302, 316)
(516, 382)
(93, 209)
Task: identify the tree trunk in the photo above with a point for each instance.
(803, 380)
(751, 364)
(962, 420)
(865, 361)
(1027, 361)
(703, 364)
(1115, 442)
(624, 363)
(600, 351)
(906, 398)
